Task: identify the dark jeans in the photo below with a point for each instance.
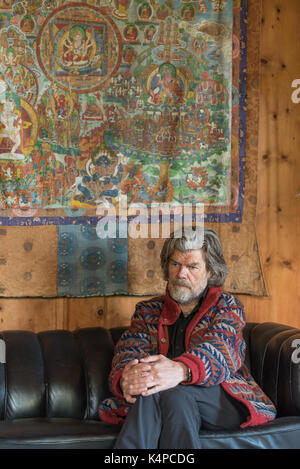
(172, 419)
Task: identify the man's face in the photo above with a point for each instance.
(187, 275)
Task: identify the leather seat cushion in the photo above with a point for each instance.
(281, 433)
(54, 433)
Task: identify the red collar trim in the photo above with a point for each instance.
(171, 310)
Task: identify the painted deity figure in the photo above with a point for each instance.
(202, 8)
(149, 33)
(77, 47)
(11, 123)
(9, 56)
(166, 86)
(144, 11)
(121, 8)
(218, 5)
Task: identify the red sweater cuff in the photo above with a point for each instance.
(116, 388)
(196, 366)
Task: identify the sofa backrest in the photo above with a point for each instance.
(62, 374)
(54, 373)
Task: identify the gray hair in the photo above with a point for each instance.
(191, 239)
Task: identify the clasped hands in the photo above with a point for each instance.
(149, 375)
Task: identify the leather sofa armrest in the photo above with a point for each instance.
(275, 364)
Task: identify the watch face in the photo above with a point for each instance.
(189, 375)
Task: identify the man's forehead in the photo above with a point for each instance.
(192, 256)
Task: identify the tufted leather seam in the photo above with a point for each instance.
(46, 381)
(265, 352)
(278, 350)
(256, 335)
(6, 390)
(86, 375)
(263, 357)
(290, 372)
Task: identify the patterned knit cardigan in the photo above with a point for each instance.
(215, 351)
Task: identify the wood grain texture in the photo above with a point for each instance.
(278, 208)
(34, 314)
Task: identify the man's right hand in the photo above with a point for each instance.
(135, 380)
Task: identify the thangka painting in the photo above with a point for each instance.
(142, 99)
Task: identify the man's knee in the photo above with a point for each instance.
(178, 407)
(175, 397)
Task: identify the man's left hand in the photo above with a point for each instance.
(165, 373)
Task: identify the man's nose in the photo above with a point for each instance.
(182, 272)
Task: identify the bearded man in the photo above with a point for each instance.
(180, 366)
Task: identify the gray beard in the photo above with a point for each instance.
(184, 294)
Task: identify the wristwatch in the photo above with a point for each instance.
(189, 375)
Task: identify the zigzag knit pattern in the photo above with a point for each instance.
(215, 352)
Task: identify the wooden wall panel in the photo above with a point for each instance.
(278, 208)
(120, 310)
(278, 211)
(35, 314)
(105, 311)
(84, 312)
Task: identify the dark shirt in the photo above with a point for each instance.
(177, 330)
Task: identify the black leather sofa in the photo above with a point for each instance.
(51, 384)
